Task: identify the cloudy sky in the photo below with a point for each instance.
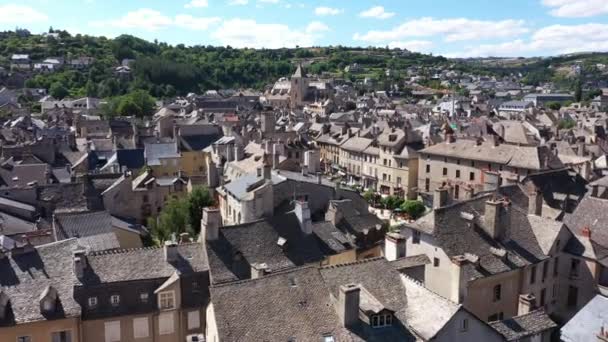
(454, 28)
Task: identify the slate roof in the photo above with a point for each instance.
(357, 144)
(592, 212)
(90, 223)
(334, 240)
(198, 142)
(26, 276)
(384, 283)
(257, 243)
(527, 157)
(100, 242)
(525, 239)
(22, 174)
(143, 263)
(63, 195)
(588, 322)
(520, 327)
(155, 151)
(12, 225)
(132, 159)
(287, 306)
(411, 261)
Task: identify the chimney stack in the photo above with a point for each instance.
(348, 304)
(170, 249)
(440, 198)
(302, 211)
(80, 263)
(535, 203)
(494, 221)
(527, 303)
(211, 223)
(394, 246)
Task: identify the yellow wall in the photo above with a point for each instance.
(193, 163)
(41, 331)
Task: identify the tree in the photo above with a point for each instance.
(414, 209)
(91, 89)
(198, 199)
(58, 91)
(554, 105)
(578, 91)
(392, 202)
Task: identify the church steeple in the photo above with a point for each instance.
(299, 71)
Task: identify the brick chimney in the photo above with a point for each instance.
(348, 304)
(211, 223)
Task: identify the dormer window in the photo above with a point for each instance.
(115, 300)
(92, 302)
(381, 320)
(166, 300)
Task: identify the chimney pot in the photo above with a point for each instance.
(211, 223)
(170, 249)
(302, 211)
(440, 198)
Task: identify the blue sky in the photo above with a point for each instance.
(455, 28)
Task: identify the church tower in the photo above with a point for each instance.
(299, 87)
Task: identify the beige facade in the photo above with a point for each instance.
(43, 330)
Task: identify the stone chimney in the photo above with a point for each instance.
(211, 223)
(80, 263)
(495, 223)
(394, 246)
(440, 198)
(348, 304)
(527, 303)
(170, 249)
(266, 168)
(535, 203)
(469, 192)
(239, 152)
(259, 270)
(302, 211)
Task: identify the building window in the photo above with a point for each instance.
(445, 171)
(383, 320)
(457, 173)
(112, 331)
(572, 296)
(61, 336)
(533, 274)
(92, 302)
(464, 325)
(428, 168)
(497, 293)
(496, 317)
(545, 270)
(24, 339)
(416, 237)
(472, 163)
(489, 167)
(554, 292)
(456, 191)
(543, 293)
(115, 300)
(328, 338)
(427, 185)
(435, 262)
(472, 176)
(166, 300)
(165, 323)
(398, 180)
(555, 266)
(194, 320)
(143, 297)
(141, 327)
(574, 268)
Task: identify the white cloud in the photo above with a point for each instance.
(377, 12)
(316, 26)
(249, 33)
(18, 14)
(197, 4)
(452, 30)
(195, 23)
(577, 8)
(413, 45)
(324, 11)
(151, 20)
(238, 2)
(269, 1)
(550, 40)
